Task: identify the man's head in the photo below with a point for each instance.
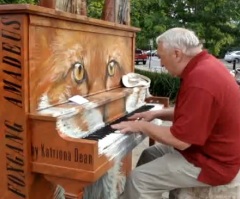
(176, 47)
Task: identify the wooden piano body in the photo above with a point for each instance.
(48, 56)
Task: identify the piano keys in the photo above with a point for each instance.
(108, 137)
(47, 57)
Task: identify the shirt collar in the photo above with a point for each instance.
(192, 63)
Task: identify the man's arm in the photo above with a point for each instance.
(163, 135)
(164, 114)
(159, 133)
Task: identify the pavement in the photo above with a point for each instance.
(143, 145)
(138, 150)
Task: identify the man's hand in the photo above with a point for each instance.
(146, 116)
(130, 126)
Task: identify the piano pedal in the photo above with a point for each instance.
(59, 193)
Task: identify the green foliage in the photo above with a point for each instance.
(95, 8)
(162, 84)
(215, 22)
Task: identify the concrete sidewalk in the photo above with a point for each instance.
(138, 150)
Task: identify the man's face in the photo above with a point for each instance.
(169, 58)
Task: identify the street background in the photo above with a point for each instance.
(154, 64)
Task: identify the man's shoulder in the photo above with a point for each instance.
(208, 71)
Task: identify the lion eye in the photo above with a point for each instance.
(78, 72)
(111, 67)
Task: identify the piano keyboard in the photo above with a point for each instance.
(106, 130)
(112, 142)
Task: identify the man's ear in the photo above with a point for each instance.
(178, 54)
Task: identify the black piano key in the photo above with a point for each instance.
(94, 138)
(106, 130)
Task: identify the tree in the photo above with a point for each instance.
(212, 20)
(95, 8)
(215, 22)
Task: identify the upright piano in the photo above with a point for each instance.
(60, 92)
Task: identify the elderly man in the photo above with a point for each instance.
(202, 147)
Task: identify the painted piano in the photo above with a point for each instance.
(51, 146)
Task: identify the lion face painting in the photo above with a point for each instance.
(74, 63)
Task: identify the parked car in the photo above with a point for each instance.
(140, 56)
(231, 56)
(152, 53)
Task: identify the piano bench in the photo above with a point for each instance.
(157, 100)
(219, 192)
(228, 191)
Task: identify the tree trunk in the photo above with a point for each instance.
(72, 6)
(123, 12)
(117, 11)
(108, 13)
(47, 3)
(128, 20)
(84, 8)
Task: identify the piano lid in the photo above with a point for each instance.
(57, 14)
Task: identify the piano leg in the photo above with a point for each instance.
(42, 186)
(127, 164)
(73, 189)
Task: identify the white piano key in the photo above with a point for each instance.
(108, 140)
(113, 144)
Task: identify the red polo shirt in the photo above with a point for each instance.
(207, 116)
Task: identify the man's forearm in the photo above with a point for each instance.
(164, 114)
(163, 135)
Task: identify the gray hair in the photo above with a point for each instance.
(180, 38)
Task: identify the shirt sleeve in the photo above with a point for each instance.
(195, 116)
